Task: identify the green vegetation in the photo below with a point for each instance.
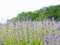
(46, 12)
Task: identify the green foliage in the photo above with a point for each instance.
(46, 12)
(14, 19)
(22, 15)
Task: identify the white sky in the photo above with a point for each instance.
(10, 8)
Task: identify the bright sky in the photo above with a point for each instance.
(10, 8)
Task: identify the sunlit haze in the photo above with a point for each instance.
(11, 8)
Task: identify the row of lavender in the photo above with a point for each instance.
(30, 33)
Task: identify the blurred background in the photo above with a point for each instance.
(10, 9)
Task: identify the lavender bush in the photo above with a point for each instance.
(45, 32)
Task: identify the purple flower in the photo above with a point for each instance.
(53, 31)
(58, 28)
(52, 36)
(46, 41)
(55, 38)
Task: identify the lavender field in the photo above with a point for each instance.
(30, 33)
